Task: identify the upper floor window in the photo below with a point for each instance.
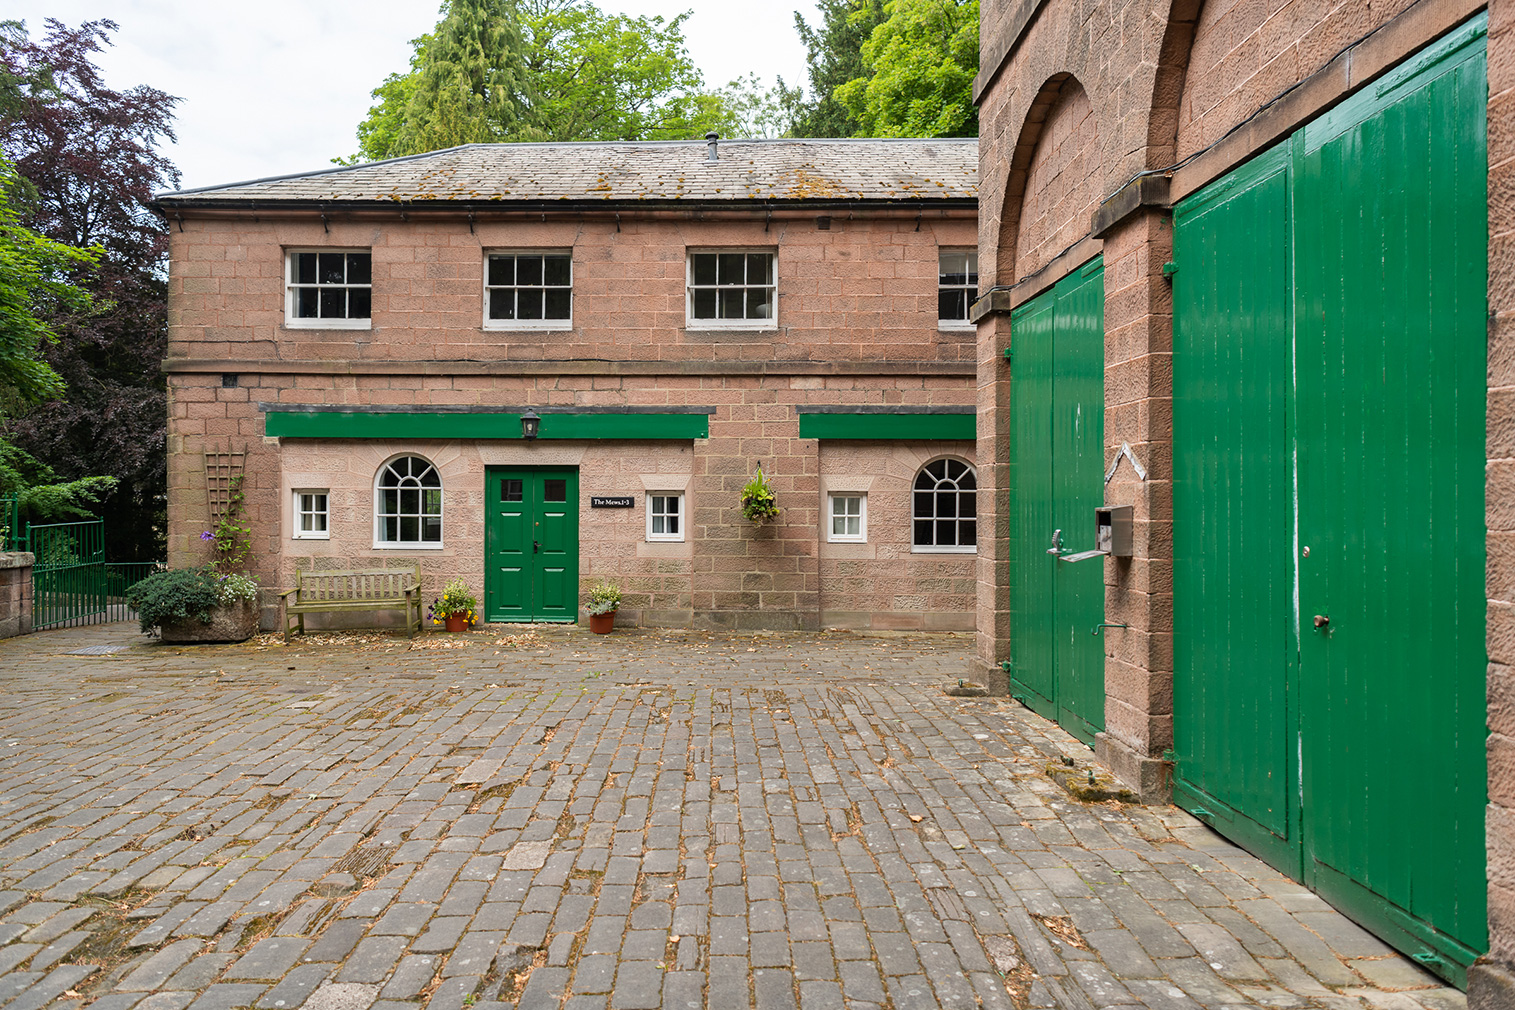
(956, 286)
(408, 504)
(328, 287)
(731, 289)
(945, 512)
(528, 290)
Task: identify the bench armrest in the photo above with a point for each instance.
(288, 592)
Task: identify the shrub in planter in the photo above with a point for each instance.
(196, 605)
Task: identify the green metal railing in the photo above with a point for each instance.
(68, 581)
(72, 583)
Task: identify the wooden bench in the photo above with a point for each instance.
(330, 591)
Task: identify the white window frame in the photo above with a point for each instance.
(527, 324)
(971, 289)
(381, 544)
(947, 548)
(666, 538)
(693, 323)
(299, 512)
(861, 536)
(294, 322)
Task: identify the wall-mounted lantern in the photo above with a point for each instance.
(530, 424)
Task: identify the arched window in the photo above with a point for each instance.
(408, 503)
(945, 510)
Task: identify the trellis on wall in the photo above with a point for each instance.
(223, 473)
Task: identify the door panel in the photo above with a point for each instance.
(1392, 376)
(1057, 481)
(1032, 602)
(1078, 464)
(1336, 450)
(532, 545)
(1233, 485)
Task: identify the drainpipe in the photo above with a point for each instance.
(711, 139)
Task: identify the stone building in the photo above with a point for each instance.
(1248, 287)
(356, 348)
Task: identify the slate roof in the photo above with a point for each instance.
(661, 171)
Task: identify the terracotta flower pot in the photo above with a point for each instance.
(456, 622)
(602, 624)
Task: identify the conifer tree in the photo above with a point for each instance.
(469, 82)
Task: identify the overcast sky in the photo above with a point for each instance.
(277, 86)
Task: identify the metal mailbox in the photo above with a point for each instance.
(1112, 530)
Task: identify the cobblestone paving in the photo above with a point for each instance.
(546, 818)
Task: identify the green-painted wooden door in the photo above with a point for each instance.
(1329, 428)
(532, 544)
(1057, 481)
(1233, 493)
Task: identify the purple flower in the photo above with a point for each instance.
(207, 535)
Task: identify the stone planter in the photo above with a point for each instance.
(234, 623)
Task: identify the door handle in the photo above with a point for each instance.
(535, 546)
(1321, 621)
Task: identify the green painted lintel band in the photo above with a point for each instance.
(960, 427)
(377, 424)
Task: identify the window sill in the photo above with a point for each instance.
(846, 540)
(943, 550)
(408, 547)
(664, 540)
(718, 326)
(550, 326)
(328, 324)
(956, 326)
(311, 536)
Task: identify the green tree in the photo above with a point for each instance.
(35, 290)
(834, 52)
(578, 74)
(919, 68)
(469, 82)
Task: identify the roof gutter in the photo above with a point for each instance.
(168, 206)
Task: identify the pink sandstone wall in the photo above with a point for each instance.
(856, 327)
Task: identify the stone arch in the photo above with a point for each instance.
(1054, 182)
(1168, 82)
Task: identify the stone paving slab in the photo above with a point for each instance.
(540, 817)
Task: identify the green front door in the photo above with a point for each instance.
(1057, 481)
(1329, 543)
(531, 544)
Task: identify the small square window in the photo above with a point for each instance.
(731, 290)
(956, 286)
(329, 288)
(312, 514)
(848, 517)
(528, 291)
(665, 517)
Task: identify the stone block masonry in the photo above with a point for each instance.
(15, 593)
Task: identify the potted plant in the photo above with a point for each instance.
(213, 603)
(604, 601)
(758, 504)
(196, 605)
(455, 607)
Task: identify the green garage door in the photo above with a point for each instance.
(1329, 426)
(1057, 481)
